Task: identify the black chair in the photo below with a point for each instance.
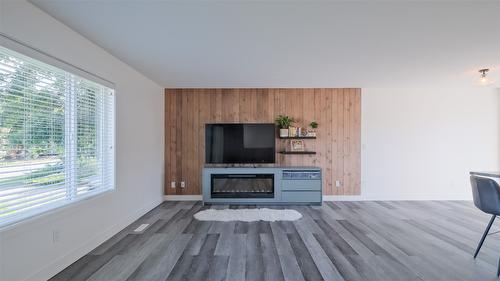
(486, 195)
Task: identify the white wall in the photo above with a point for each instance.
(421, 143)
(27, 251)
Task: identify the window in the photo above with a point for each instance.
(56, 137)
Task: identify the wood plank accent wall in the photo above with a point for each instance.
(338, 112)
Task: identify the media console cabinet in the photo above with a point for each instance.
(262, 185)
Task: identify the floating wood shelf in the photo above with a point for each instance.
(297, 138)
(297, 152)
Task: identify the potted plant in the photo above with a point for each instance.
(284, 122)
(314, 126)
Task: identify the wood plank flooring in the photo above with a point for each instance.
(402, 240)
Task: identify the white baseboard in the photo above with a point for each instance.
(183, 198)
(363, 198)
(200, 197)
(59, 264)
(350, 198)
(342, 198)
(325, 198)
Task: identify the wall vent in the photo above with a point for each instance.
(141, 227)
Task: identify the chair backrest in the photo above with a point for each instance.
(486, 194)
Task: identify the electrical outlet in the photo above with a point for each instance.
(172, 184)
(337, 183)
(56, 236)
(183, 184)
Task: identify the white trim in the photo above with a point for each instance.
(61, 263)
(183, 197)
(364, 198)
(345, 198)
(66, 205)
(325, 198)
(32, 52)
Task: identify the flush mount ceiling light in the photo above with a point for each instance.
(483, 79)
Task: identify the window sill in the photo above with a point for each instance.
(66, 205)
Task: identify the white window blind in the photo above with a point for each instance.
(56, 137)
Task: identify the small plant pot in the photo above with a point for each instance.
(283, 133)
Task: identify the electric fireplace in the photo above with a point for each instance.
(242, 185)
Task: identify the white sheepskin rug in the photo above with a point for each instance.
(263, 214)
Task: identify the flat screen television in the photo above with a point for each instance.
(240, 143)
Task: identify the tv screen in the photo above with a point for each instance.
(239, 143)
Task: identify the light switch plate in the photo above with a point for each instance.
(183, 184)
(172, 184)
(337, 183)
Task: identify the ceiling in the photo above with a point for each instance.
(293, 43)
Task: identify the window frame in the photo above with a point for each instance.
(49, 209)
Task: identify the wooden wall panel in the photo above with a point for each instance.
(338, 145)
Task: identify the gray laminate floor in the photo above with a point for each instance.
(431, 240)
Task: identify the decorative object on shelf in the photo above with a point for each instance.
(303, 132)
(284, 122)
(300, 132)
(296, 145)
(292, 131)
(312, 132)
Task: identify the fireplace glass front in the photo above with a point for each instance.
(242, 185)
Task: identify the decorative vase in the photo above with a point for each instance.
(283, 133)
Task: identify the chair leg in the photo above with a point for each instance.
(498, 268)
(484, 235)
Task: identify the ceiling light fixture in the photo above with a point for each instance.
(484, 80)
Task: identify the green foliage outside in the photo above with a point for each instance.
(32, 125)
(30, 110)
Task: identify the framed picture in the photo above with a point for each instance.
(297, 145)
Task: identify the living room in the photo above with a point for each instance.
(249, 140)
